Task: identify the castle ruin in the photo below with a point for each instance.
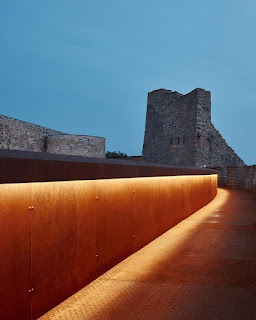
(20, 135)
(179, 131)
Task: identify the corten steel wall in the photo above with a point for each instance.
(79, 229)
(20, 166)
(15, 252)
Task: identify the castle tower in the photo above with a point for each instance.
(179, 131)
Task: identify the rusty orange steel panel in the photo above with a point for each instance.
(115, 223)
(117, 171)
(78, 171)
(54, 171)
(213, 185)
(164, 206)
(7, 167)
(187, 197)
(144, 211)
(178, 193)
(79, 229)
(15, 239)
(24, 169)
(63, 241)
(146, 171)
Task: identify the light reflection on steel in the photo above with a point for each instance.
(15, 252)
(79, 229)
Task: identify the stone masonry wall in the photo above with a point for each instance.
(20, 135)
(79, 145)
(179, 131)
(240, 177)
(211, 149)
(170, 127)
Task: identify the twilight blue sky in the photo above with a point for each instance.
(86, 66)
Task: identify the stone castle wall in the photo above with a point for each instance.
(179, 131)
(20, 135)
(78, 145)
(211, 149)
(239, 177)
(170, 125)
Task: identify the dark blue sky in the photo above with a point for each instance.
(86, 66)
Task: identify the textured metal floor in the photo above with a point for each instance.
(202, 269)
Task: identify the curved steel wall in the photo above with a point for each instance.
(57, 237)
(21, 166)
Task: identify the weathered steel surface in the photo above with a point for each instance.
(21, 166)
(115, 221)
(145, 202)
(165, 205)
(80, 229)
(64, 241)
(77, 230)
(15, 257)
(204, 268)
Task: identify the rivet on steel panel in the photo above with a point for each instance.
(97, 255)
(97, 198)
(31, 208)
(133, 236)
(133, 192)
(156, 224)
(31, 290)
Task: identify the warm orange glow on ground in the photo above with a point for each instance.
(203, 268)
(63, 235)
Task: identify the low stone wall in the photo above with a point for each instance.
(20, 135)
(77, 145)
(24, 136)
(243, 177)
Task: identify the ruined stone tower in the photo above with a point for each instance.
(179, 131)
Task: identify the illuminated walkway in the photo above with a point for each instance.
(202, 269)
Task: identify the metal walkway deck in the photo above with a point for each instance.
(202, 269)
